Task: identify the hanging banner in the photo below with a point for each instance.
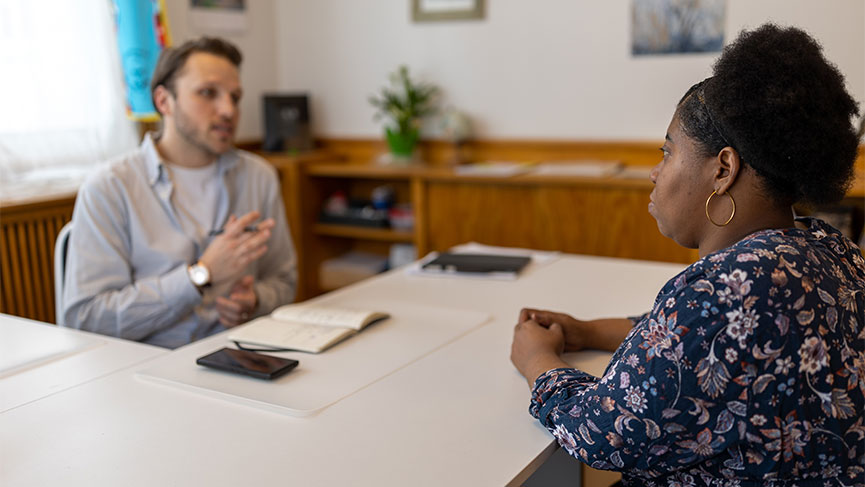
(142, 33)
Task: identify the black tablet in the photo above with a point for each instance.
(477, 263)
(253, 364)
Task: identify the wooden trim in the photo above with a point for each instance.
(440, 152)
(24, 208)
(349, 231)
(420, 206)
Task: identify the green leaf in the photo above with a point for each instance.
(405, 101)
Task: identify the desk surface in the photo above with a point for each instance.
(455, 416)
(38, 359)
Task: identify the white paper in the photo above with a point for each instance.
(635, 172)
(501, 169)
(594, 169)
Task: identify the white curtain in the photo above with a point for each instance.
(62, 105)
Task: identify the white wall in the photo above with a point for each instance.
(545, 69)
(258, 73)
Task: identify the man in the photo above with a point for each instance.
(186, 235)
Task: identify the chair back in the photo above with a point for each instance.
(61, 246)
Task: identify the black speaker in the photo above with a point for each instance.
(286, 123)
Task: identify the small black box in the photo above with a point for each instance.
(286, 123)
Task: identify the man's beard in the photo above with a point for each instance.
(187, 132)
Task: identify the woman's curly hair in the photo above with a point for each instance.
(783, 107)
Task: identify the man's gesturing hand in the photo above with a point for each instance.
(230, 252)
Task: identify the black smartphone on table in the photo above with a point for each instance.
(244, 362)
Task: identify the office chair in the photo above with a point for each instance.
(61, 245)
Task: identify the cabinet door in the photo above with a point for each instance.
(580, 219)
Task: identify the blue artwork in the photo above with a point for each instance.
(677, 26)
(141, 35)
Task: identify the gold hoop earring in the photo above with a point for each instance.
(731, 214)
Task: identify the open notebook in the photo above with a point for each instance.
(304, 327)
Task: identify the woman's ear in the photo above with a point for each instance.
(729, 166)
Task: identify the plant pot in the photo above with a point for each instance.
(402, 144)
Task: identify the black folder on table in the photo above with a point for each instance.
(477, 263)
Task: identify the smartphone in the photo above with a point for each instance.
(253, 364)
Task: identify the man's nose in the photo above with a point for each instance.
(227, 106)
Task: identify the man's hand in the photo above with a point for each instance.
(536, 349)
(239, 305)
(230, 252)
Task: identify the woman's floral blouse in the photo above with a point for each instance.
(749, 370)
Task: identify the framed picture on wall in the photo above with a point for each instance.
(434, 10)
(218, 15)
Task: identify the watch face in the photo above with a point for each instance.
(199, 275)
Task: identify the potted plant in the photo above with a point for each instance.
(403, 104)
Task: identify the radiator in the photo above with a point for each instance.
(27, 256)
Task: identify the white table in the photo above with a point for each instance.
(38, 359)
(454, 416)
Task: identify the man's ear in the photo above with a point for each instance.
(728, 168)
(163, 100)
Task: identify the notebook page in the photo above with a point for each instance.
(322, 316)
(291, 335)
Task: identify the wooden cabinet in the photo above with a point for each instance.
(597, 216)
(321, 241)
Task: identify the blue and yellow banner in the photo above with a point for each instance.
(142, 33)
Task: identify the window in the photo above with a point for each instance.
(63, 107)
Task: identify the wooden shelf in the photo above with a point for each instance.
(349, 231)
(365, 171)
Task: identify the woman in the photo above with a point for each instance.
(750, 368)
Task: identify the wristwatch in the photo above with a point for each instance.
(199, 275)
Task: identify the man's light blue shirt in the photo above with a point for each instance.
(126, 273)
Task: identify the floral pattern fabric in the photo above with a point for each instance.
(748, 371)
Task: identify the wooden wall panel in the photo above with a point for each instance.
(593, 220)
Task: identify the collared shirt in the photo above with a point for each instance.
(126, 273)
(749, 371)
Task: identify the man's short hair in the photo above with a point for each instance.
(173, 59)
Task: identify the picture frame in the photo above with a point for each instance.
(443, 10)
(286, 122)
